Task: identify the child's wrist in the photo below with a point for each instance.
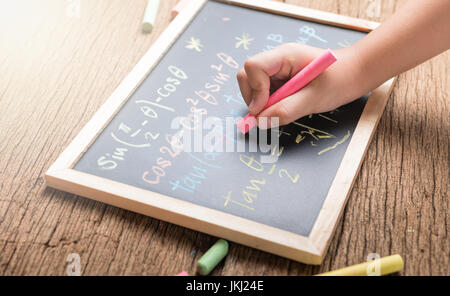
(354, 78)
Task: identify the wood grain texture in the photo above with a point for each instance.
(57, 71)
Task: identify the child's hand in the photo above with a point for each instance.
(267, 71)
(399, 44)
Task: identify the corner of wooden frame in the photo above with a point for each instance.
(321, 234)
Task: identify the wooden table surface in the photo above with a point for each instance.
(56, 70)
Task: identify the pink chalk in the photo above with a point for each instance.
(183, 273)
(301, 79)
(177, 8)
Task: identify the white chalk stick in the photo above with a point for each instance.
(150, 15)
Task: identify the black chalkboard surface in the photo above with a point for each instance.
(285, 201)
(199, 72)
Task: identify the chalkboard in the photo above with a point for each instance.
(196, 79)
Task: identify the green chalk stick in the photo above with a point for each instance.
(212, 257)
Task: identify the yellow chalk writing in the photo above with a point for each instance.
(251, 162)
(229, 200)
(335, 145)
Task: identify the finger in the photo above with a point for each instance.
(259, 69)
(244, 86)
(286, 70)
(259, 81)
(291, 108)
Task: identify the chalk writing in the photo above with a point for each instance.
(252, 191)
(189, 182)
(194, 81)
(335, 145)
(218, 79)
(194, 44)
(162, 163)
(243, 41)
(275, 40)
(197, 175)
(109, 161)
(228, 200)
(127, 134)
(306, 33)
(324, 117)
(238, 99)
(316, 134)
(344, 43)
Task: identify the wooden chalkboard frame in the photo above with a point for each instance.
(311, 249)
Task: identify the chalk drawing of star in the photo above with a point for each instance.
(194, 44)
(243, 41)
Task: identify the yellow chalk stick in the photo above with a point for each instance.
(382, 266)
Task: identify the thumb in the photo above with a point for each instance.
(291, 108)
